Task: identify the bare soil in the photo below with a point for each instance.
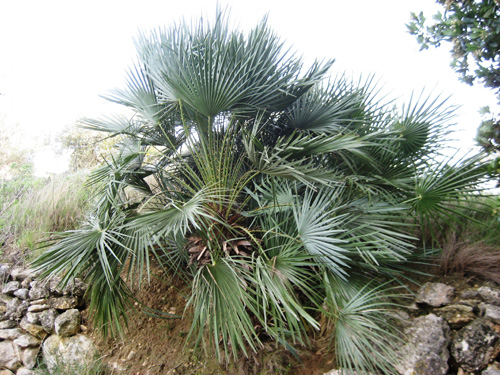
(155, 346)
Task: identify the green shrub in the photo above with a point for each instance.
(279, 196)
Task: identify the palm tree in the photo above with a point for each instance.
(275, 192)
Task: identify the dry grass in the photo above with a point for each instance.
(35, 210)
(470, 259)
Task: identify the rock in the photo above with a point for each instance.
(4, 273)
(38, 308)
(493, 369)
(6, 324)
(75, 287)
(33, 317)
(16, 308)
(41, 301)
(25, 371)
(11, 287)
(27, 341)
(22, 293)
(39, 290)
(474, 303)
(7, 372)
(68, 323)
(54, 285)
(64, 303)
(10, 356)
(68, 352)
(117, 367)
(26, 283)
(131, 356)
(5, 299)
(426, 348)
(33, 329)
(457, 316)
(29, 356)
(435, 294)
(22, 273)
(490, 295)
(47, 319)
(490, 312)
(469, 294)
(474, 346)
(10, 334)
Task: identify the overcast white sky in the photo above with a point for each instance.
(57, 57)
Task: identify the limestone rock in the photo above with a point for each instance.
(16, 308)
(29, 356)
(469, 294)
(11, 287)
(21, 274)
(426, 349)
(457, 316)
(491, 312)
(39, 290)
(22, 293)
(47, 319)
(68, 323)
(33, 317)
(10, 334)
(25, 371)
(33, 329)
(6, 324)
(75, 287)
(64, 303)
(7, 372)
(10, 356)
(474, 346)
(54, 285)
(38, 308)
(435, 294)
(68, 352)
(4, 273)
(41, 301)
(26, 283)
(27, 341)
(490, 295)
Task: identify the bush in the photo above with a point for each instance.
(281, 197)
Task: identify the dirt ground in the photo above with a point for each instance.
(155, 346)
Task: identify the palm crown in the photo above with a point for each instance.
(273, 191)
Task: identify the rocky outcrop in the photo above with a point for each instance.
(37, 314)
(426, 350)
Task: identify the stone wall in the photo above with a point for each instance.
(446, 332)
(41, 322)
(450, 333)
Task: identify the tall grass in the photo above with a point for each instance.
(471, 244)
(31, 208)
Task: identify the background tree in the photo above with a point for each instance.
(472, 28)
